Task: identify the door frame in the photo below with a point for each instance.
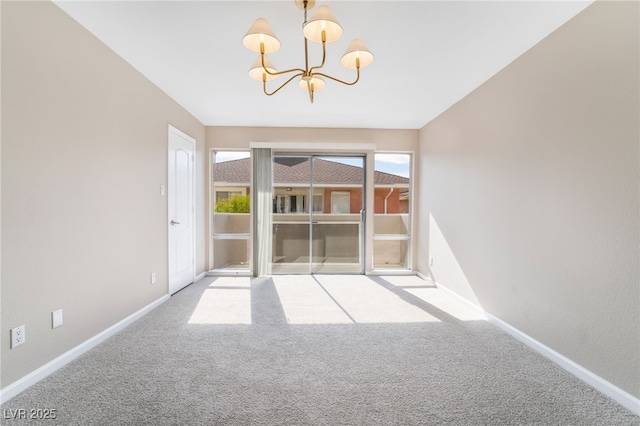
(342, 146)
(192, 214)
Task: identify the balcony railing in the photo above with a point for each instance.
(335, 236)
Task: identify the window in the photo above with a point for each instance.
(340, 202)
(296, 203)
(225, 195)
(392, 206)
(317, 204)
(231, 207)
(282, 204)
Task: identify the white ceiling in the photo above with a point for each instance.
(428, 55)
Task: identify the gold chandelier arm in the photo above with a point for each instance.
(306, 52)
(311, 92)
(264, 84)
(324, 56)
(341, 81)
(264, 68)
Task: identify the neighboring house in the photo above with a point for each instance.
(337, 187)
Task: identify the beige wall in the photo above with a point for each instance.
(530, 202)
(84, 152)
(219, 137)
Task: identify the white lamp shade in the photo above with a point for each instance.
(322, 20)
(256, 70)
(261, 32)
(317, 82)
(356, 49)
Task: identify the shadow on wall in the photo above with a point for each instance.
(444, 267)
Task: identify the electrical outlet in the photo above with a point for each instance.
(56, 318)
(153, 278)
(18, 336)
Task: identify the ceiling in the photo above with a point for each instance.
(428, 55)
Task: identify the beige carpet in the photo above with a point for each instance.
(321, 350)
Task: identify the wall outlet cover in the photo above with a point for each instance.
(18, 336)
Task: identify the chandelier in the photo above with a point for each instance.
(321, 28)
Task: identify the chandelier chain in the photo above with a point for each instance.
(305, 13)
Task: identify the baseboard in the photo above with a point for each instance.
(199, 277)
(467, 302)
(612, 391)
(390, 272)
(35, 376)
(423, 276)
(221, 273)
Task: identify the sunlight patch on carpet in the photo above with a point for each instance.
(367, 302)
(407, 281)
(223, 306)
(305, 302)
(231, 282)
(447, 303)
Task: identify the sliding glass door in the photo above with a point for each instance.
(318, 207)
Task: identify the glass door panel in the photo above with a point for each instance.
(292, 206)
(337, 230)
(317, 205)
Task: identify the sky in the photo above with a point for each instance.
(396, 164)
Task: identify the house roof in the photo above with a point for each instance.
(295, 170)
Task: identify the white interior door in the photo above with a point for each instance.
(181, 201)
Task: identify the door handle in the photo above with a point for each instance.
(173, 222)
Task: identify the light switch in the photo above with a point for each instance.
(56, 318)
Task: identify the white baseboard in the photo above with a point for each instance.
(199, 277)
(612, 391)
(35, 376)
(390, 272)
(222, 273)
(467, 302)
(423, 276)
